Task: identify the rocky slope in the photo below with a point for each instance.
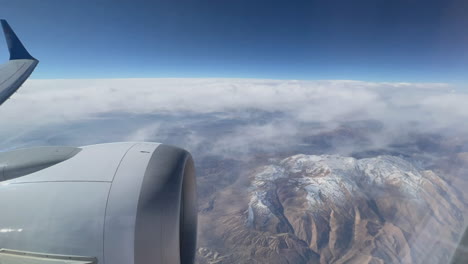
(334, 209)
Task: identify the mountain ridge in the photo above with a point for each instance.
(336, 209)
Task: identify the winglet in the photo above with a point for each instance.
(16, 48)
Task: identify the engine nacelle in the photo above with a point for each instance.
(117, 203)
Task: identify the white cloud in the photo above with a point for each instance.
(82, 98)
(144, 133)
(41, 103)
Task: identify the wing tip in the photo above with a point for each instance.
(15, 47)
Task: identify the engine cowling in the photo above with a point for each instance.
(115, 203)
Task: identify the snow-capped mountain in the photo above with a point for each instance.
(335, 209)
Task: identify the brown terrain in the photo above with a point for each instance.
(335, 209)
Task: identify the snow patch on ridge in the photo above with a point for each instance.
(334, 178)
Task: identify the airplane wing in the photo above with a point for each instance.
(21, 64)
(118, 203)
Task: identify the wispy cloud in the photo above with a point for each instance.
(292, 106)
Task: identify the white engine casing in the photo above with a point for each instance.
(120, 203)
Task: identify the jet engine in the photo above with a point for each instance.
(117, 203)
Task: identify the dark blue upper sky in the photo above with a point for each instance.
(374, 40)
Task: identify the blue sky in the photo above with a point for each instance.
(374, 40)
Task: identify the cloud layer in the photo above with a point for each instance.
(262, 113)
